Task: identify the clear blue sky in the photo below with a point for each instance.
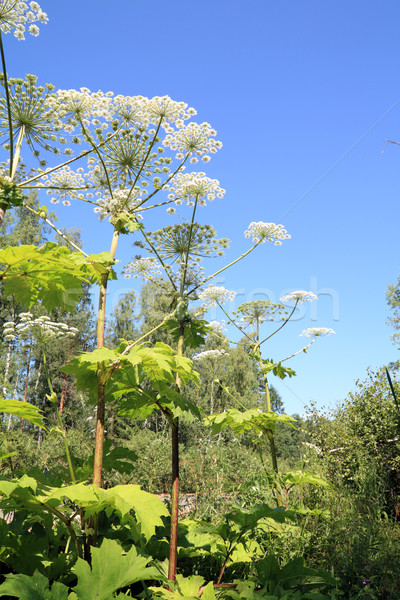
(303, 95)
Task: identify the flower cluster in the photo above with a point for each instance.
(261, 311)
(65, 183)
(9, 331)
(299, 296)
(317, 331)
(209, 354)
(187, 187)
(169, 110)
(216, 295)
(42, 327)
(196, 140)
(74, 107)
(15, 16)
(142, 267)
(131, 151)
(121, 201)
(31, 116)
(270, 232)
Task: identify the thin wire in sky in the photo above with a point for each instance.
(339, 160)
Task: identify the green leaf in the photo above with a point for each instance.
(183, 587)
(195, 331)
(122, 498)
(148, 508)
(24, 410)
(96, 265)
(125, 223)
(248, 420)
(277, 369)
(301, 477)
(34, 587)
(49, 274)
(112, 569)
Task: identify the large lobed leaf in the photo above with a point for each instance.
(248, 420)
(50, 274)
(26, 493)
(24, 410)
(34, 587)
(112, 569)
(124, 373)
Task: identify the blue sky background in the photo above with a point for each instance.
(303, 96)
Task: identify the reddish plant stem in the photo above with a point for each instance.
(173, 542)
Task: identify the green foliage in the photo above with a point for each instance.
(27, 494)
(10, 194)
(23, 410)
(112, 569)
(50, 274)
(34, 587)
(248, 420)
(126, 367)
(194, 334)
(277, 369)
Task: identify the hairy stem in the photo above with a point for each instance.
(101, 385)
(173, 542)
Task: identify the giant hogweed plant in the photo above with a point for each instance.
(248, 320)
(124, 155)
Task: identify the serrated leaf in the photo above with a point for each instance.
(122, 498)
(24, 410)
(148, 508)
(248, 420)
(34, 587)
(195, 331)
(112, 569)
(49, 274)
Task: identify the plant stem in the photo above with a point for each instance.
(8, 102)
(58, 231)
(183, 277)
(68, 525)
(59, 420)
(283, 324)
(69, 161)
(268, 432)
(17, 151)
(173, 542)
(226, 267)
(101, 385)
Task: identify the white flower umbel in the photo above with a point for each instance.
(186, 187)
(216, 294)
(209, 354)
(41, 327)
(170, 111)
(267, 232)
(146, 267)
(299, 296)
(196, 139)
(9, 331)
(64, 183)
(216, 326)
(16, 16)
(317, 331)
(74, 106)
(121, 201)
